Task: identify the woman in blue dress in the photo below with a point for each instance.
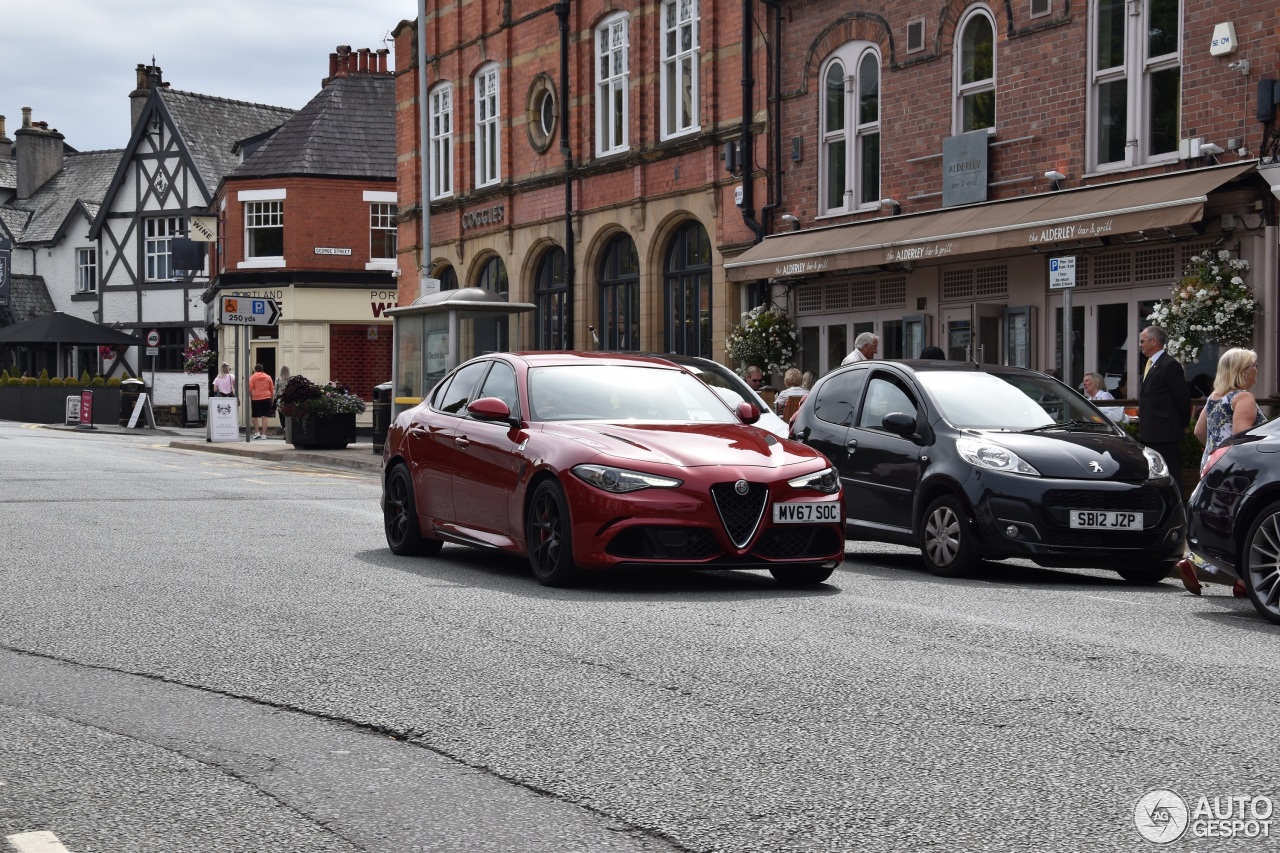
(1230, 409)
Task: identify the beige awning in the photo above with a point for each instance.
(1048, 219)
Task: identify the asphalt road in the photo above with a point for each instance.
(203, 653)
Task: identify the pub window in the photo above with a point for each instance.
(687, 287)
(975, 72)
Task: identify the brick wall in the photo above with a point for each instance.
(357, 361)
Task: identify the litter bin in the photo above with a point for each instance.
(129, 391)
(381, 414)
(191, 406)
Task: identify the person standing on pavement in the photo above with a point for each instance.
(261, 392)
(1164, 402)
(865, 347)
(224, 384)
(281, 381)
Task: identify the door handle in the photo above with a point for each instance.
(417, 431)
(461, 441)
(851, 445)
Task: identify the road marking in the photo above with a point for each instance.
(37, 842)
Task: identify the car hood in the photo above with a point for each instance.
(686, 445)
(1078, 455)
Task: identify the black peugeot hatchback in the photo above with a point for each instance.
(970, 462)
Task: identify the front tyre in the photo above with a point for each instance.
(400, 517)
(1146, 573)
(1260, 563)
(801, 575)
(549, 537)
(946, 540)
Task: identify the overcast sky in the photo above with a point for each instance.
(73, 61)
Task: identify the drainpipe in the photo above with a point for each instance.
(748, 109)
(424, 139)
(562, 13)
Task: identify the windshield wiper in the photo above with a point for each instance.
(1066, 425)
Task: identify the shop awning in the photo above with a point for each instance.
(1059, 219)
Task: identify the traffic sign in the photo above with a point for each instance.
(249, 311)
(153, 338)
(1062, 273)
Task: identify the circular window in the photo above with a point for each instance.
(542, 113)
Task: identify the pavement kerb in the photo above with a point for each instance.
(356, 457)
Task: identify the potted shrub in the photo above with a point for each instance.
(319, 415)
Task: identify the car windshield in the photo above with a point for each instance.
(720, 381)
(613, 392)
(1009, 401)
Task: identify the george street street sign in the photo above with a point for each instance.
(249, 311)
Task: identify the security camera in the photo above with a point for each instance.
(1210, 148)
(1055, 175)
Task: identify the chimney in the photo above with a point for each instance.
(345, 63)
(6, 144)
(39, 155)
(148, 78)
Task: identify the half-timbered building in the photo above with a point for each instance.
(181, 147)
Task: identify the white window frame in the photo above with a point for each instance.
(613, 80)
(679, 24)
(158, 231)
(441, 129)
(246, 198)
(1135, 70)
(977, 87)
(853, 133)
(488, 126)
(87, 270)
(382, 217)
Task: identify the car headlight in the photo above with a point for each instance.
(826, 481)
(1155, 464)
(985, 454)
(620, 480)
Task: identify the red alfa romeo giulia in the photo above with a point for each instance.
(586, 461)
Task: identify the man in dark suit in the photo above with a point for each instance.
(1164, 404)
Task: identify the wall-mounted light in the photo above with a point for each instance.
(793, 221)
(1054, 177)
(892, 205)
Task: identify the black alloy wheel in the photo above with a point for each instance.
(1260, 566)
(946, 542)
(400, 517)
(550, 540)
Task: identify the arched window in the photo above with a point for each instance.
(975, 73)
(448, 278)
(550, 294)
(850, 161)
(687, 287)
(492, 333)
(620, 295)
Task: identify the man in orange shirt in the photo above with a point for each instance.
(261, 392)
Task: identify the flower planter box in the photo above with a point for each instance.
(333, 432)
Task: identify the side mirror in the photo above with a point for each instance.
(747, 413)
(899, 423)
(491, 409)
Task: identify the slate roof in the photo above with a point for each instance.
(8, 173)
(211, 126)
(29, 298)
(83, 178)
(347, 130)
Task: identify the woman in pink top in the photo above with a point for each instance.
(224, 384)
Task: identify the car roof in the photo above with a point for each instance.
(929, 365)
(545, 358)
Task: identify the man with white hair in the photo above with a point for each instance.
(864, 348)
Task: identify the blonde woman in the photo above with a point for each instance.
(224, 384)
(1230, 409)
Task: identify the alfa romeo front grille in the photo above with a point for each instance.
(741, 514)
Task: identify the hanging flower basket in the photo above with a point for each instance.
(197, 357)
(766, 338)
(1211, 303)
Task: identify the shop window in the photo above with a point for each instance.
(679, 92)
(550, 295)
(849, 164)
(687, 288)
(620, 295)
(975, 72)
(613, 78)
(1135, 82)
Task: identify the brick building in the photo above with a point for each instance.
(598, 192)
(309, 219)
(927, 139)
(901, 163)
